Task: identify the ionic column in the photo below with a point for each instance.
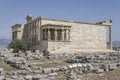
(110, 36)
(38, 30)
(38, 22)
(49, 36)
(31, 28)
(62, 36)
(55, 33)
(45, 36)
(67, 34)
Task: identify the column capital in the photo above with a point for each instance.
(110, 26)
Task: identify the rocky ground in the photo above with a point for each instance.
(76, 66)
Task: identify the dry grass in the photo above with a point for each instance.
(6, 66)
(46, 65)
(110, 75)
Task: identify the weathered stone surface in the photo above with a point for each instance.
(28, 77)
(2, 71)
(2, 77)
(71, 75)
(55, 69)
(47, 70)
(37, 51)
(113, 66)
(73, 36)
(40, 76)
(53, 74)
(14, 77)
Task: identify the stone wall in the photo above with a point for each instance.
(44, 45)
(17, 31)
(78, 35)
(82, 36)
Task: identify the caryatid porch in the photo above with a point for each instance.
(56, 32)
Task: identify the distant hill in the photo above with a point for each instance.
(116, 42)
(116, 45)
(4, 42)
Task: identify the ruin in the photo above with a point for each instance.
(62, 36)
(80, 66)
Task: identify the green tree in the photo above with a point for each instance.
(17, 45)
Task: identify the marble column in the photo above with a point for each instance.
(67, 34)
(31, 29)
(45, 35)
(38, 22)
(62, 36)
(110, 36)
(49, 36)
(38, 30)
(55, 35)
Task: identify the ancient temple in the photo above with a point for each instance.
(63, 36)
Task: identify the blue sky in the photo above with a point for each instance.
(15, 11)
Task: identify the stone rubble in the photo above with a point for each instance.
(36, 66)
